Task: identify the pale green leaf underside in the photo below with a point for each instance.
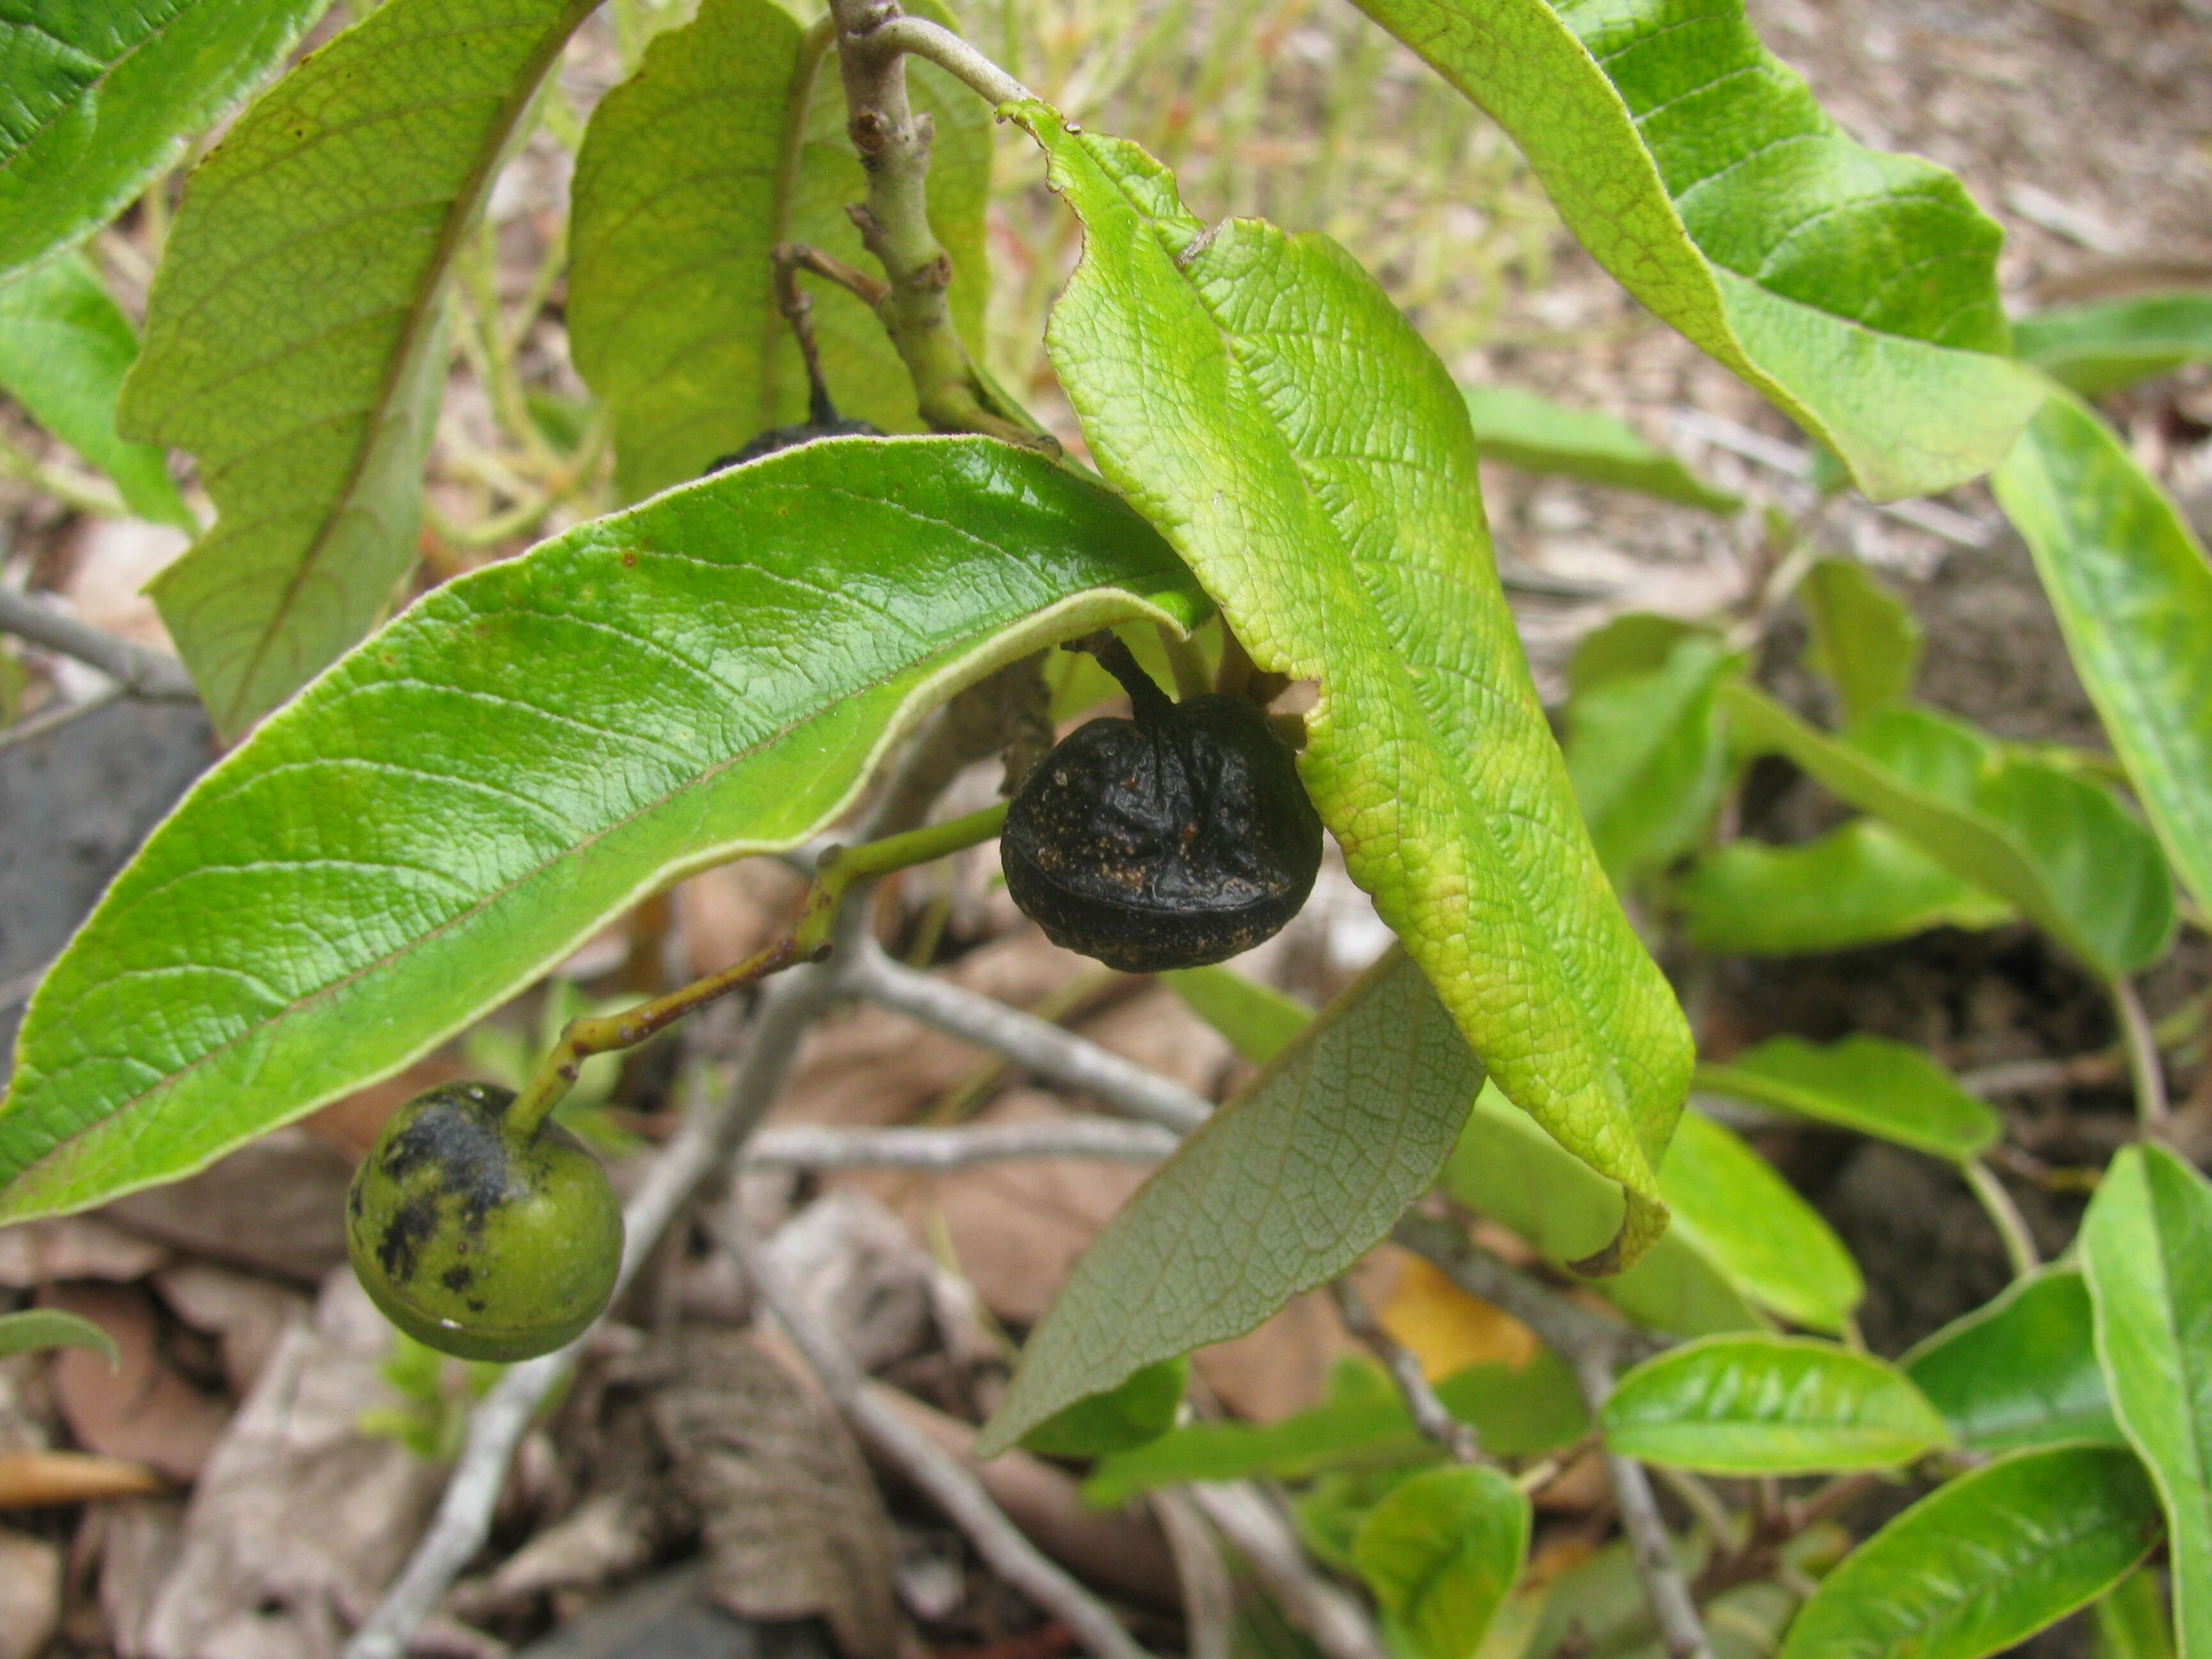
(1281, 1189)
(1258, 397)
(1864, 641)
(1525, 429)
(102, 93)
(2100, 348)
(294, 338)
(1507, 1169)
(64, 347)
(687, 178)
(34, 1328)
(1861, 883)
(1872, 1084)
(2056, 846)
(1769, 1405)
(2133, 592)
(525, 752)
(1854, 288)
(1985, 1560)
(1647, 757)
(2147, 1252)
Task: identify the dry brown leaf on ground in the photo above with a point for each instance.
(1447, 1329)
(31, 1479)
(728, 913)
(300, 1518)
(138, 1538)
(35, 1253)
(860, 1271)
(609, 1536)
(1283, 1366)
(247, 1315)
(792, 1521)
(30, 1594)
(142, 1409)
(277, 1205)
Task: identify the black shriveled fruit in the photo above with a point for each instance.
(788, 437)
(479, 1240)
(1175, 839)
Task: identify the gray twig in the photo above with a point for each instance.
(140, 671)
(819, 1147)
(1066, 1059)
(711, 1132)
(953, 1488)
(1431, 1415)
(1242, 1515)
(920, 38)
(1664, 1587)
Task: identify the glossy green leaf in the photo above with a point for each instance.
(50, 1327)
(2100, 347)
(102, 96)
(1259, 398)
(1288, 1184)
(1699, 170)
(1860, 884)
(2147, 1252)
(295, 337)
(1518, 1410)
(1864, 640)
(1140, 1409)
(1733, 1208)
(2131, 1621)
(1257, 1019)
(525, 754)
(2063, 849)
(1647, 757)
(1507, 1169)
(1985, 1560)
(1769, 1405)
(729, 139)
(1440, 1553)
(2021, 1370)
(1525, 429)
(64, 345)
(1872, 1084)
(2133, 592)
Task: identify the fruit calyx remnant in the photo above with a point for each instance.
(1175, 838)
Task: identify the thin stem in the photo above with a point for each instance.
(1568, 1328)
(2142, 1045)
(48, 721)
(71, 488)
(134, 668)
(2011, 1225)
(788, 259)
(923, 39)
(820, 1146)
(838, 872)
(1653, 1546)
(1431, 1415)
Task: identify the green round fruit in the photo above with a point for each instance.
(475, 1241)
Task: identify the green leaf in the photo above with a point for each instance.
(1524, 429)
(1281, 1189)
(294, 340)
(102, 97)
(2133, 592)
(2021, 1370)
(2057, 846)
(50, 1327)
(1634, 642)
(1648, 759)
(1699, 170)
(2102, 347)
(1733, 1208)
(1258, 397)
(1864, 641)
(64, 345)
(2131, 1622)
(2147, 1252)
(1507, 1169)
(1258, 1020)
(1141, 1408)
(1769, 1405)
(1872, 1084)
(1861, 883)
(525, 754)
(1440, 1553)
(1984, 1561)
(1519, 1411)
(729, 139)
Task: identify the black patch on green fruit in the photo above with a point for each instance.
(413, 1225)
(1179, 837)
(458, 1276)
